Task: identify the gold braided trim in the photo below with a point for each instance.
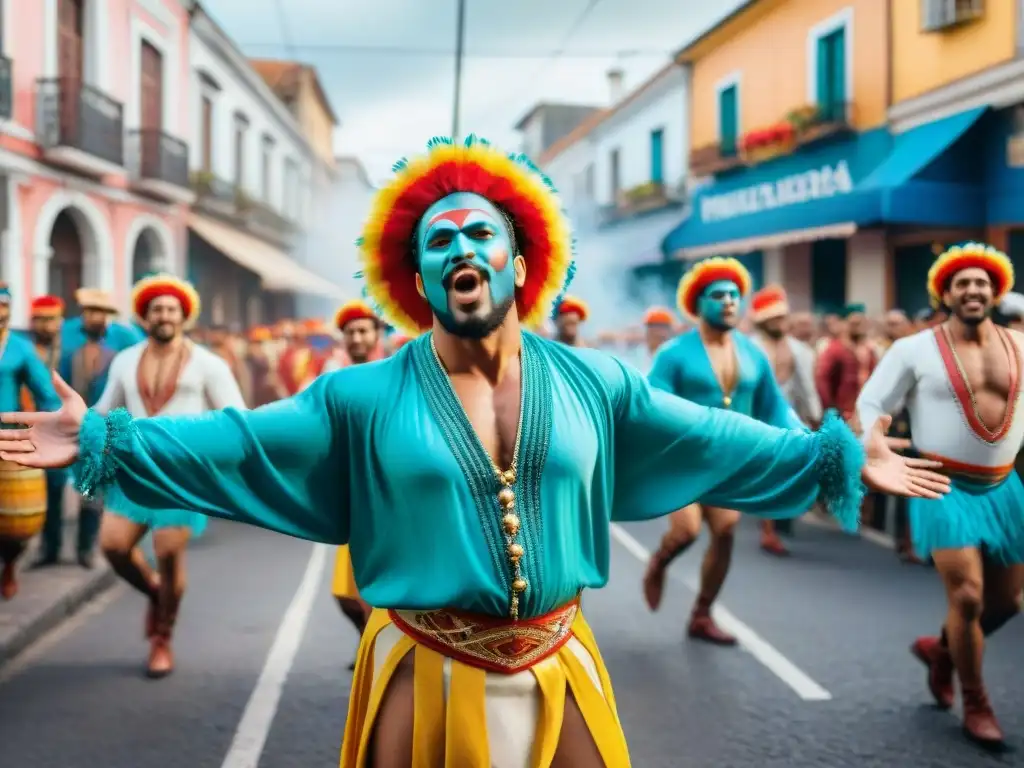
(497, 645)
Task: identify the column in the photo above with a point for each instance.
(774, 270)
(41, 271)
(866, 259)
(797, 276)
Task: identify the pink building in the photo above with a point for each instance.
(94, 180)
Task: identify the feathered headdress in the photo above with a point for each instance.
(768, 303)
(154, 286)
(353, 310)
(570, 305)
(704, 273)
(659, 316)
(510, 182)
(959, 257)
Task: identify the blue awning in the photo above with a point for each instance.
(830, 189)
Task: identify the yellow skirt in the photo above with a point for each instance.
(468, 717)
(344, 582)
(22, 501)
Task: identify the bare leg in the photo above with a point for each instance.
(770, 541)
(683, 529)
(170, 546)
(119, 540)
(962, 573)
(714, 569)
(576, 747)
(10, 552)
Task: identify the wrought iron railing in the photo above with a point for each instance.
(158, 156)
(73, 114)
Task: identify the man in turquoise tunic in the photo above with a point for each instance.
(22, 492)
(474, 474)
(719, 368)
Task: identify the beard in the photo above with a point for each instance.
(162, 333)
(478, 326)
(720, 325)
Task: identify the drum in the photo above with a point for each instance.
(22, 501)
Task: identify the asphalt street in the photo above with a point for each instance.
(824, 678)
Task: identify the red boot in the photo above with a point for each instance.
(933, 654)
(657, 569)
(770, 541)
(8, 581)
(161, 657)
(703, 627)
(980, 724)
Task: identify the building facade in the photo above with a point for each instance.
(622, 174)
(93, 162)
(298, 87)
(251, 169)
(961, 61)
(788, 121)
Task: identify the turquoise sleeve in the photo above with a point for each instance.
(282, 467)
(670, 452)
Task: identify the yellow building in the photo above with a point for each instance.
(839, 143)
(298, 86)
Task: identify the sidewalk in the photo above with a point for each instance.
(48, 596)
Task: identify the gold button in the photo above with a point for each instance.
(515, 552)
(519, 585)
(726, 401)
(508, 477)
(511, 523)
(507, 498)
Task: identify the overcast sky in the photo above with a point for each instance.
(388, 65)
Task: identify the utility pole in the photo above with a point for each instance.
(460, 28)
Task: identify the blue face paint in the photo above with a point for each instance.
(713, 302)
(459, 229)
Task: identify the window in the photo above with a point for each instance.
(728, 119)
(588, 183)
(291, 182)
(207, 134)
(268, 159)
(937, 15)
(614, 173)
(241, 129)
(831, 93)
(657, 157)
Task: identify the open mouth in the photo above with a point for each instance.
(466, 286)
(973, 304)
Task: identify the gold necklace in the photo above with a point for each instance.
(510, 521)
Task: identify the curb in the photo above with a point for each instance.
(870, 535)
(69, 604)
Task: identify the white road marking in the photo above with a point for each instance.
(804, 687)
(251, 734)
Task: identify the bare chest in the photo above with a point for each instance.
(986, 368)
(781, 358)
(724, 365)
(493, 412)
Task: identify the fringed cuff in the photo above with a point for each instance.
(99, 439)
(840, 459)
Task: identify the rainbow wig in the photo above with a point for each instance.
(704, 273)
(512, 183)
(965, 256)
(353, 310)
(154, 286)
(570, 305)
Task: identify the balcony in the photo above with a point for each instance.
(644, 198)
(79, 126)
(159, 165)
(6, 89)
(710, 159)
(229, 203)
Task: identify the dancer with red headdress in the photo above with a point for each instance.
(715, 367)
(164, 375)
(570, 314)
(961, 384)
(474, 473)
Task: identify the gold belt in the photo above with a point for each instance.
(495, 644)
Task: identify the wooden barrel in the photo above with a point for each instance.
(22, 501)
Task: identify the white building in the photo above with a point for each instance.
(622, 176)
(251, 167)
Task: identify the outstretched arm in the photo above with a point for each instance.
(670, 452)
(885, 392)
(770, 405)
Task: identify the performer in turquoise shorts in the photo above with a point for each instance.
(474, 474)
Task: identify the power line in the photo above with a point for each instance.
(282, 19)
(518, 53)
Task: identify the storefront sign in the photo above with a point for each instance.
(827, 181)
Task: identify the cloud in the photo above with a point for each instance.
(391, 96)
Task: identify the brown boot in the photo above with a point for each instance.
(161, 657)
(703, 627)
(657, 569)
(8, 581)
(935, 656)
(980, 724)
(770, 541)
